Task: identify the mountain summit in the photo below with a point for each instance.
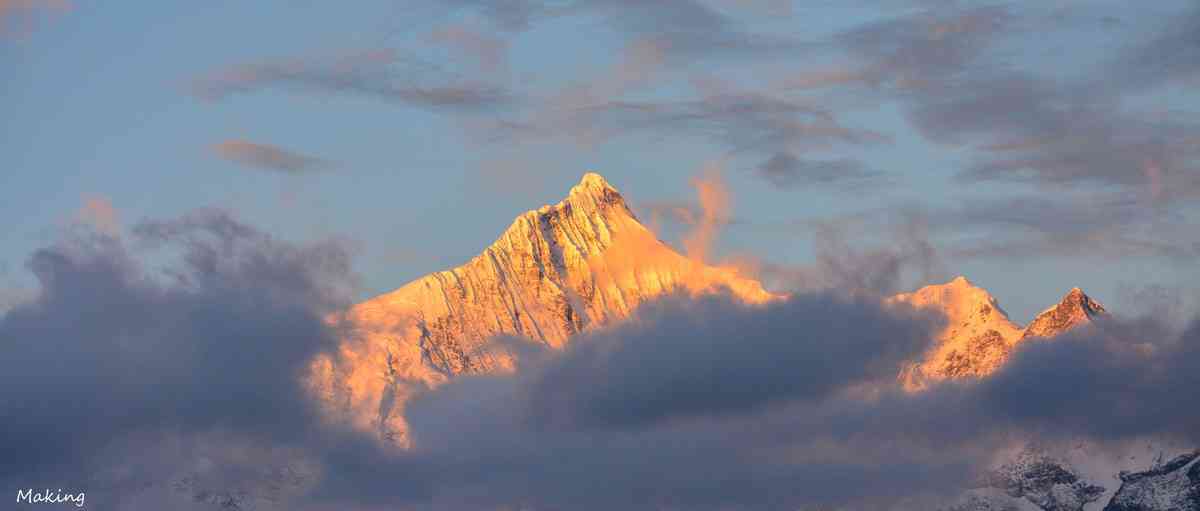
(976, 339)
(1074, 309)
(557, 270)
(979, 336)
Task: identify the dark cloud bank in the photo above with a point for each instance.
(150, 367)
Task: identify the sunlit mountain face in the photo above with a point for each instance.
(558, 270)
(979, 336)
(581, 264)
(600, 255)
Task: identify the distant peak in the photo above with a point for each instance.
(1075, 308)
(958, 292)
(1077, 299)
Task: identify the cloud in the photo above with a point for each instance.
(1171, 56)
(112, 359)
(11, 296)
(98, 212)
(713, 356)
(713, 197)
(944, 67)
(1108, 382)
(880, 251)
(382, 74)
(191, 375)
(267, 157)
(1112, 225)
(686, 29)
(741, 122)
(21, 13)
(645, 414)
(1027, 130)
(489, 51)
(788, 170)
(1108, 225)
(687, 405)
(1100, 175)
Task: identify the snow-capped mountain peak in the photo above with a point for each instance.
(1075, 308)
(976, 339)
(979, 336)
(579, 264)
(557, 270)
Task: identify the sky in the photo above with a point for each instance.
(192, 190)
(1061, 131)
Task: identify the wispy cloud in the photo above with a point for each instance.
(99, 213)
(267, 157)
(686, 29)
(489, 51)
(788, 170)
(1171, 56)
(1107, 226)
(384, 74)
(741, 123)
(19, 15)
(1101, 226)
(943, 66)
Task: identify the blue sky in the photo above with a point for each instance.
(1035, 145)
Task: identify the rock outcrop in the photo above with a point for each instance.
(1048, 483)
(1173, 485)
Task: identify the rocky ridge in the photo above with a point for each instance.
(1036, 480)
(1173, 485)
(1048, 483)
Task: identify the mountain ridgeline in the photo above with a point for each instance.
(557, 270)
(581, 263)
(979, 336)
(587, 261)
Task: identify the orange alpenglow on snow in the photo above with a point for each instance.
(557, 270)
(584, 263)
(979, 337)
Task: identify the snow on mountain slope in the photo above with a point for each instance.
(1173, 485)
(555, 271)
(976, 340)
(582, 263)
(1089, 477)
(979, 336)
(1050, 484)
(1074, 309)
